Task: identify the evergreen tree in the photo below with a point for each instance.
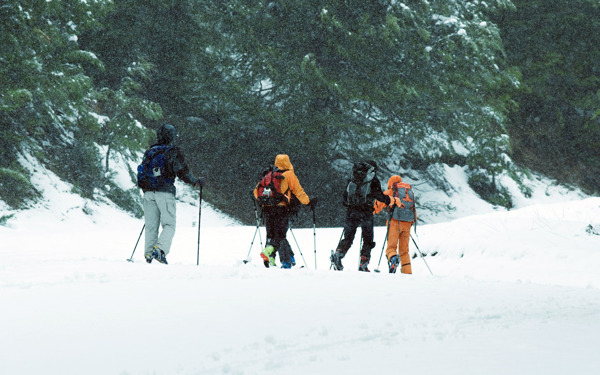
(44, 92)
(555, 129)
(162, 34)
(331, 82)
(121, 130)
(49, 103)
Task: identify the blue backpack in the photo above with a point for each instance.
(407, 212)
(152, 173)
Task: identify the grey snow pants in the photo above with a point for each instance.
(159, 211)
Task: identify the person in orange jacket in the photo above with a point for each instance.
(403, 215)
(277, 216)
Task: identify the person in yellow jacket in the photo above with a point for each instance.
(403, 215)
(276, 215)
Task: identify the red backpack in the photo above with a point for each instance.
(268, 189)
(407, 213)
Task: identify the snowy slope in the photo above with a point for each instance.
(512, 293)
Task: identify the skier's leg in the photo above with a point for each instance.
(152, 220)
(350, 226)
(403, 247)
(168, 220)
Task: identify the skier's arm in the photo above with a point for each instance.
(378, 206)
(345, 197)
(296, 188)
(378, 193)
(180, 168)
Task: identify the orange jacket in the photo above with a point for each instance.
(394, 201)
(290, 184)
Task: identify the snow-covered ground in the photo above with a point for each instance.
(511, 293)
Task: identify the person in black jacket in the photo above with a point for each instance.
(360, 195)
(159, 199)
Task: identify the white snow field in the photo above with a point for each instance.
(511, 293)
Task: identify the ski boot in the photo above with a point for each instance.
(336, 260)
(159, 255)
(394, 261)
(148, 258)
(267, 257)
(364, 263)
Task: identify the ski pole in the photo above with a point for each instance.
(360, 247)
(387, 233)
(251, 244)
(419, 250)
(338, 246)
(258, 221)
(256, 231)
(298, 246)
(199, 218)
(138, 241)
(315, 235)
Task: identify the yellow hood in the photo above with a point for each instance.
(282, 162)
(393, 180)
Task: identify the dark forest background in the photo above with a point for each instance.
(501, 87)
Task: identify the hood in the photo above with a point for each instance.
(282, 162)
(166, 134)
(393, 180)
(373, 163)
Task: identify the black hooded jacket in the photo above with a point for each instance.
(176, 166)
(376, 193)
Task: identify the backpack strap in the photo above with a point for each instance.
(288, 186)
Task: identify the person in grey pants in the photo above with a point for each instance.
(159, 198)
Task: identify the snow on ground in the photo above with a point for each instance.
(511, 293)
(453, 198)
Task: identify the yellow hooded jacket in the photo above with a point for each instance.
(290, 184)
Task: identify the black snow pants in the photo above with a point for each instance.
(354, 219)
(277, 223)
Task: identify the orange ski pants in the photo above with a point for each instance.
(397, 243)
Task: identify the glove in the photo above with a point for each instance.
(313, 202)
(199, 182)
(396, 201)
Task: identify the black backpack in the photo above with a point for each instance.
(152, 173)
(359, 186)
